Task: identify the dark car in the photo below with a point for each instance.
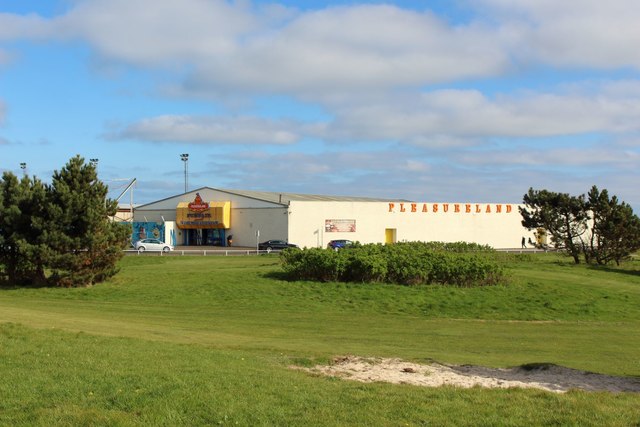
(339, 244)
(270, 245)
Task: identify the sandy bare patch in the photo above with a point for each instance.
(543, 376)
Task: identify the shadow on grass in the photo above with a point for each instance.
(5, 285)
(615, 270)
(278, 275)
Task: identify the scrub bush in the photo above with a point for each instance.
(367, 263)
(312, 264)
(458, 247)
(407, 263)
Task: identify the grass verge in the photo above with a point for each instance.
(206, 341)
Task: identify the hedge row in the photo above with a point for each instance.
(411, 263)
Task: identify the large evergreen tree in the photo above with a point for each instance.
(600, 228)
(615, 230)
(61, 233)
(85, 243)
(23, 228)
(563, 216)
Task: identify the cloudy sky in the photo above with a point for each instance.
(469, 101)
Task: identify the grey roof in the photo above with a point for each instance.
(285, 198)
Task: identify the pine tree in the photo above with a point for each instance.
(615, 229)
(23, 225)
(563, 216)
(86, 245)
(601, 228)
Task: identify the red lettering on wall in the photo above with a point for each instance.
(457, 207)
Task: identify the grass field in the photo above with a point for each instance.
(209, 341)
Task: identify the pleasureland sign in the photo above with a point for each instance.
(454, 208)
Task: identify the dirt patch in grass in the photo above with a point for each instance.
(543, 376)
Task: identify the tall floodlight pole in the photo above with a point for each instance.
(94, 163)
(23, 166)
(185, 158)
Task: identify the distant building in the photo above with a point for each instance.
(207, 216)
(124, 213)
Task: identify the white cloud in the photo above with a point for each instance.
(609, 156)
(231, 47)
(217, 130)
(31, 26)
(335, 172)
(354, 49)
(148, 32)
(438, 119)
(594, 33)
(453, 115)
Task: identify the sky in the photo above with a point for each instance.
(432, 101)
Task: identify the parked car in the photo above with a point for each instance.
(152, 245)
(339, 244)
(270, 245)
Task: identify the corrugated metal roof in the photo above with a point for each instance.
(285, 198)
(281, 197)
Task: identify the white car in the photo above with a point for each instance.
(152, 245)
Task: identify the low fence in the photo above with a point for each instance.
(525, 250)
(252, 251)
(200, 252)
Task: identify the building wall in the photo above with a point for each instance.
(247, 216)
(497, 225)
(272, 223)
(304, 222)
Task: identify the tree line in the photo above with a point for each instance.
(59, 234)
(596, 227)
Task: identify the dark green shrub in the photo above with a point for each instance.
(312, 264)
(407, 263)
(367, 263)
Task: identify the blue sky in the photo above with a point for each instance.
(458, 101)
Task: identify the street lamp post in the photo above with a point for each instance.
(185, 158)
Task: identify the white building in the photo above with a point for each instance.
(208, 216)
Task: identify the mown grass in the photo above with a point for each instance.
(206, 341)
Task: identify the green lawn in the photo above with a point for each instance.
(208, 340)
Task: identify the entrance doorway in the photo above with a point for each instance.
(390, 236)
(205, 237)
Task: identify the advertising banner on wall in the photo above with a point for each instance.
(147, 230)
(201, 214)
(340, 225)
